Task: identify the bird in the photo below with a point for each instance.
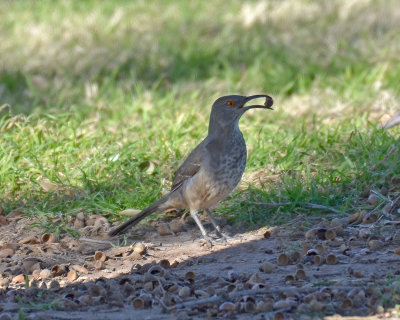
(212, 170)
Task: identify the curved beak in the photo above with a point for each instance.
(267, 104)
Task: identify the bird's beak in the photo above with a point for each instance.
(267, 104)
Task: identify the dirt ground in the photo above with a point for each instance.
(341, 267)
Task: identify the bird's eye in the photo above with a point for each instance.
(230, 103)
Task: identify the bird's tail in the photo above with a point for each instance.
(154, 207)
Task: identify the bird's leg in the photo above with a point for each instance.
(193, 213)
(217, 227)
(214, 222)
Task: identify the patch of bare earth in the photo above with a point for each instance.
(343, 267)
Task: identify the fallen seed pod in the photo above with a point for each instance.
(232, 275)
(72, 276)
(35, 274)
(184, 292)
(174, 264)
(6, 253)
(359, 300)
(336, 223)
(316, 306)
(257, 286)
(128, 290)
(98, 264)
(264, 306)
(309, 297)
(18, 279)
(78, 224)
(358, 273)
(68, 304)
(45, 274)
(85, 300)
(48, 238)
(169, 299)
(190, 276)
(352, 293)
(164, 230)
(312, 252)
(295, 256)
(173, 288)
(54, 285)
(148, 286)
(30, 264)
(281, 304)
(176, 225)
(344, 249)
(347, 303)
(303, 308)
(290, 293)
(364, 233)
(282, 259)
(81, 216)
(267, 267)
(305, 249)
(358, 216)
(279, 316)
(330, 234)
(255, 278)
(201, 294)
(289, 278)
(310, 234)
(90, 221)
(373, 199)
(96, 290)
(375, 244)
(165, 263)
(318, 260)
(331, 259)
(79, 268)
(300, 274)
(230, 288)
(249, 307)
(140, 248)
(58, 270)
(320, 249)
(100, 256)
(148, 277)
(227, 306)
(397, 251)
(156, 270)
(141, 302)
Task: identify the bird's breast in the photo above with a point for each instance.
(218, 176)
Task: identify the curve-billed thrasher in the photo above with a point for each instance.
(213, 169)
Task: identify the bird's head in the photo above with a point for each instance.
(229, 109)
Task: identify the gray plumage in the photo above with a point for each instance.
(213, 169)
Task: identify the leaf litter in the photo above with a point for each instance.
(343, 267)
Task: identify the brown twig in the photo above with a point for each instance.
(232, 295)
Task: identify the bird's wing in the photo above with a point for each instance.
(190, 166)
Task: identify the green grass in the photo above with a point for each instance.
(93, 92)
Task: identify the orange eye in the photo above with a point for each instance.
(230, 103)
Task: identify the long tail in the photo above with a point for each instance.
(154, 207)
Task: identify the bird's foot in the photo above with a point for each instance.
(223, 238)
(210, 241)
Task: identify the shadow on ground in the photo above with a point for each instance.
(247, 278)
